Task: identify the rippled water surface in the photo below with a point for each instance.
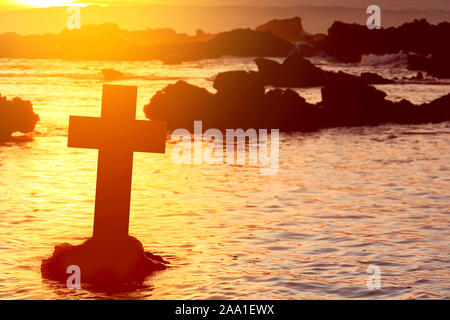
(343, 199)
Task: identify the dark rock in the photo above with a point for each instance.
(317, 41)
(287, 29)
(288, 111)
(418, 61)
(240, 102)
(373, 78)
(269, 71)
(300, 72)
(111, 75)
(436, 111)
(295, 71)
(105, 263)
(348, 42)
(436, 66)
(109, 42)
(16, 115)
(348, 101)
(239, 43)
(249, 43)
(182, 103)
(173, 59)
(239, 84)
(240, 95)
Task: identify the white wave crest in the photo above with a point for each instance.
(394, 60)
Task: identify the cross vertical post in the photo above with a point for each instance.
(117, 135)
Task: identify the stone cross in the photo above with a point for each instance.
(116, 134)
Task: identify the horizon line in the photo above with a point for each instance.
(24, 8)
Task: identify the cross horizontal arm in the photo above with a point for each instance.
(132, 135)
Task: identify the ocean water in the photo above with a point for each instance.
(343, 199)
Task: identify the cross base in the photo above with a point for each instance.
(104, 263)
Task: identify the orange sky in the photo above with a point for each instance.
(397, 4)
(41, 19)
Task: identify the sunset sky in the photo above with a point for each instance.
(35, 16)
(398, 4)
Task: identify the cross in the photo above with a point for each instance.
(116, 134)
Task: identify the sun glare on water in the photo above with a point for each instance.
(45, 3)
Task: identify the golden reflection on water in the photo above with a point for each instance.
(342, 200)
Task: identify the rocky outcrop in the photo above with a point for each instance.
(438, 66)
(348, 101)
(109, 42)
(103, 263)
(287, 29)
(182, 103)
(348, 42)
(373, 78)
(16, 115)
(236, 90)
(239, 43)
(111, 75)
(295, 71)
(240, 102)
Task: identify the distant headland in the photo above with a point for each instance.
(424, 43)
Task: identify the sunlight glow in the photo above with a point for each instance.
(44, 3)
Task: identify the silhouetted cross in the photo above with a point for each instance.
(117, 134)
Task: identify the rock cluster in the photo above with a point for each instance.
(241, 102)
(16, 115)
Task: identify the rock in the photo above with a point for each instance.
(238, 43)
(239, 84)
(348, 101)
(417, 37)
(288, 111)
(181, 104)
(348, 42)
(437, 66)
(295, 71)
(103, 263)
(300, 72)
(317, 41)
(111, 75)
(418, 61)
(16, 115)
(109, 42)
(240, 102)
(172, 60)
(269, 71)
(248, 43)
(287, 29)
(436, 111)
(240, 96)
(373, 78)
(419, 76)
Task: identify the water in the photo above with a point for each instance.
(342, 200)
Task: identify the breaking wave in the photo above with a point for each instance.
(394, 60)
